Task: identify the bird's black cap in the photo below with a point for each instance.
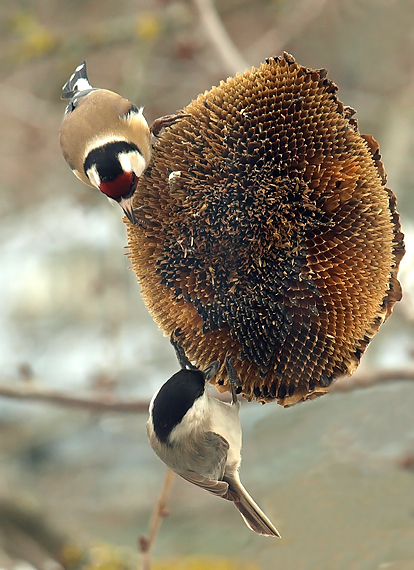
(174, 399)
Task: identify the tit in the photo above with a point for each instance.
(199, 437)
(106, 140)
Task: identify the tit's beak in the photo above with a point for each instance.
(211, 370)
(126, 205)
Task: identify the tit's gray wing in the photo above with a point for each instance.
(215, 459)
(218, 488)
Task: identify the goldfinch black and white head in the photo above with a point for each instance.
(105, 139)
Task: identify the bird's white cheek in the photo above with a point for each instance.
(132, 161)
(197, 418)
(93, 176)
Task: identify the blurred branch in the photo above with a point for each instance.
(359, 381)
(30, 391)
(292, 20)
(219, 38)
(34, 392)
(160, 512)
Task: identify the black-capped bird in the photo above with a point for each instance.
(106, 140)
(199, 437)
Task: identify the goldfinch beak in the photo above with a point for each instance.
(126, 205)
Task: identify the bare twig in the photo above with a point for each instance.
(219, 38)
(31, 391)
(99, 404)
(146, 544)
(371, 379)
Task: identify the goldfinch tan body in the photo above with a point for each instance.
(106, 140)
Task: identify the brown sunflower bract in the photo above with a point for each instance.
(274, 239)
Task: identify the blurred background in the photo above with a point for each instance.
(77, 487)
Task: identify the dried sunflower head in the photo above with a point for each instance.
(268, 233)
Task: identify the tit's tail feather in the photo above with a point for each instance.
(252, 515)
